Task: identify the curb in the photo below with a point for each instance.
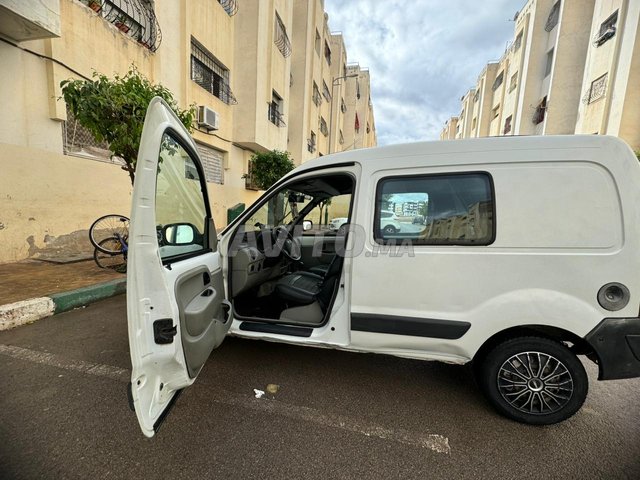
(28, 311)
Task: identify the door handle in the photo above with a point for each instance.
(207, 293)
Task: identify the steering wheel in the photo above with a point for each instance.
(290, 246)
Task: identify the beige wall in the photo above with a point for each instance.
(449, 130)
(46, 195)
(617, 112)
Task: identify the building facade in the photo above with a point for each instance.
(237, 59)
(571, 67)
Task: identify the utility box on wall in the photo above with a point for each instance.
(233, 212)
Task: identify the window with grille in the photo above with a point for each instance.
(326, 92)
(316, 95)
(317, 43)
(540, 113)
(327, 53)
(507, 125)
(554, 17)
(598, 88)
(210, 74)
(79, 141)
(514, 82)
(518, 42)
(498, 81)
(607, 30)
(311, 143)
(280, 37)
(212, 164)
(323, 127)
(275, 110)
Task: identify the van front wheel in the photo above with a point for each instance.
(533, 380)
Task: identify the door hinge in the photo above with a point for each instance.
(164, 330)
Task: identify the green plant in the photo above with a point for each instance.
(266, 168)
(113, 110)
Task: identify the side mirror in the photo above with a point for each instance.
(307, 225)
(179, 234)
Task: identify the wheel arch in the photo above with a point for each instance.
(579, 345)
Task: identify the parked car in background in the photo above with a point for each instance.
(338, 224)
(389, 223)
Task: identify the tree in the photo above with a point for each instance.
(266, 168)
(113, 110)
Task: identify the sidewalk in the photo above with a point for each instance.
(32, 289)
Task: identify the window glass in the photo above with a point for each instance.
(452, 209)
(330, 215)
(279, 210)
(180, 205)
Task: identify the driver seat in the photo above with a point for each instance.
(303, 288)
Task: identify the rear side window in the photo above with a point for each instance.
(452, 209)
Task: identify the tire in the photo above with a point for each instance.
(108, 226)
(533, 380)
(342, 230)
(111, 261)
(389, 229)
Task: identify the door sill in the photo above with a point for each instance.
(275, 328)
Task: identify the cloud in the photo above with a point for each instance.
(423, 55)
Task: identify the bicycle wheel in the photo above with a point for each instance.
(109, 226)
(112, 261)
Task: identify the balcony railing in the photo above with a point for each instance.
(281, 39)
(311, 145)
(134, 18)
(230, 6)
(317, 99)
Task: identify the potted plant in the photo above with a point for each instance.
(121, 23)
(95, 5)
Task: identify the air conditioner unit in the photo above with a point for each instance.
(208, 119)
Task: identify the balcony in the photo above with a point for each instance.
(134, 18)
(281, 39)
(23, 21)
(230, 6)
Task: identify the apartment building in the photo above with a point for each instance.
(610, 93)
(572, 67)
(235, 59)
(463, 128)
(359, 117)
(449, 129)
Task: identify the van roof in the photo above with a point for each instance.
(379, 156)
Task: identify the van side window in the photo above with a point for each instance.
(451, 209)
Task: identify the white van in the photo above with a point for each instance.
(526, 256)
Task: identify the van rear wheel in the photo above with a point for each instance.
(533, 380)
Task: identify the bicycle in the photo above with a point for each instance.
(109, 234)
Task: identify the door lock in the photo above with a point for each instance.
(164, 330)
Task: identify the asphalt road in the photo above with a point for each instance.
(64, 414)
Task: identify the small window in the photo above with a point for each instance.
(454, 209)
(317, 43)
(323, 127)
(327, 53)
(549, 65)
(316, 95)
(607, 29)
(540, 113)
(554, 17)
(311, 143)
(343, 106)
(498, 81)
(476, 96)
(507, 125)
(341, 138)
(326, 92)
(275, 110)
(518, 42)
(495, 112)
(514, 82)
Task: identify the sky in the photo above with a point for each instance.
(423, 55)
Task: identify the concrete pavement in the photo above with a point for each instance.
(64, 414)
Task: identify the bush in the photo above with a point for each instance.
(113, 110)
